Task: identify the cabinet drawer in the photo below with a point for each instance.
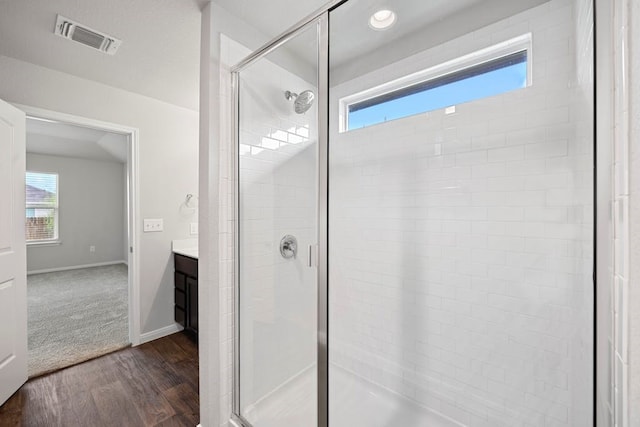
(180, 281)
(178, 315)
(180, 299)
(186, 265)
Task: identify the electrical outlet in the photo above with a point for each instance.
(194, 228)
(151, 225)
(92, 249)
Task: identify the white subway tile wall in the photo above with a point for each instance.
(461, 245)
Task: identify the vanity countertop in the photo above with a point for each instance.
(186, 247)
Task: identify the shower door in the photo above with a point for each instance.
(277, 235)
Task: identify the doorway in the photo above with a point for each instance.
(81, 264)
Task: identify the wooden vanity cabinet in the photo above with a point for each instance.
(185, 307)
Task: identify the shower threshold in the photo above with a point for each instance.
(354, 402)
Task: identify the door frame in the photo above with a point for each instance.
(133, 201)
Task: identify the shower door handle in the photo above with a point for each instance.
(312, 256)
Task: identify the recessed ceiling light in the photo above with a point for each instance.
(382, 19)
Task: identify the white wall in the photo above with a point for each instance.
(461, 244)
(168, 155)
(91, 206)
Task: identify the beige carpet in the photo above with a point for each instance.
(76, 315)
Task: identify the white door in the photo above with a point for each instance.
(13, 260)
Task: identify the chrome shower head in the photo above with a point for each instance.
(301, 102)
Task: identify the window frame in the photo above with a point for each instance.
(55, 240)
(522, 43)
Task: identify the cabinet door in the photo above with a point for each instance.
(192, 295)
(179, 298)
(179, 316)
(180, 281)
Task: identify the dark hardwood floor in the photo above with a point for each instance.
(154, 384)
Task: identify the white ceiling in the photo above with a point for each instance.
(271, 17)
(159, 56)
(354, 47)
(348, 22)
(160, 53)
(351, 21)
(61, 139)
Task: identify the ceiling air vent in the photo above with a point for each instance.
(82, 34)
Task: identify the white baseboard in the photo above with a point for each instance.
(159, 333)
(75, 267)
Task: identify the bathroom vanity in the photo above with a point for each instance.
(185, 307)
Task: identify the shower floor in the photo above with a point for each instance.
(354, 402)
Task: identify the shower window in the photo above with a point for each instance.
(492, 71)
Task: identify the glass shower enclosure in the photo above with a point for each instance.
(277, 233)
(414, 217)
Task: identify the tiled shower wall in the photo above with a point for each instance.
(461, 244)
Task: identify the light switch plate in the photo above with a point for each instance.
(194, 228)
(153, 224)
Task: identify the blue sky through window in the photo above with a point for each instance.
(43, 181)
(490, 83)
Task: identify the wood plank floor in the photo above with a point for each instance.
(154, 384)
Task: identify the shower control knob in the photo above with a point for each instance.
(288, 246)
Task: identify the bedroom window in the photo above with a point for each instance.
(41, 219)
(497, 69)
